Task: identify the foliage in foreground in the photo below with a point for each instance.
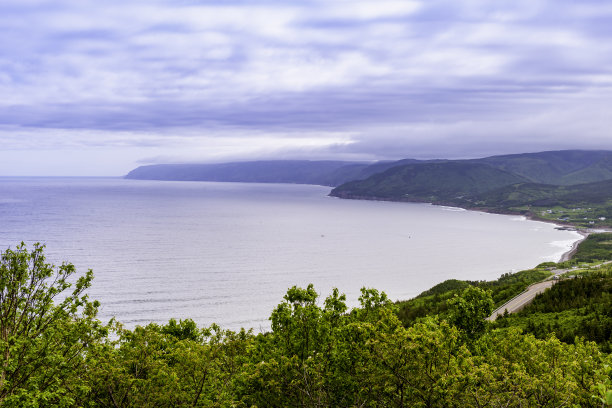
(45, 330)
(317, 355)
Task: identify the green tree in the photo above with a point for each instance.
(296, 322)
(47, 324)
(469, 311)
(517, 370)
(414, 367)
(289, 364)
(168, 366)
(604, 389)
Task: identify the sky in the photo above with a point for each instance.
(97, 88)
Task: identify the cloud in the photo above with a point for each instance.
(393, 78)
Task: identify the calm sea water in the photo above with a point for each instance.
(227, 252)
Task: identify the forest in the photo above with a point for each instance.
(56, 352)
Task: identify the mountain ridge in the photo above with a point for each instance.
(584, 204)
(430, 182)
(320, 172)
(563, 167)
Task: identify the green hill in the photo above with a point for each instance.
(556, 167)
(542, 195)
(452, 181)
(564, 167)
(583, 205)
(571, 186)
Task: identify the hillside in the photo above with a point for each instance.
(567, 167)
(564, 167)
(327, 173)
(582, 205)
(549, 195)
(503, 184)
(453, 181)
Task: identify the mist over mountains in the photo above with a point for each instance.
(565, 167)
(326, 173)
(568, 177)
(541, 179)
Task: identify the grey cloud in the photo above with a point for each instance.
(467, 75)
(328, 109)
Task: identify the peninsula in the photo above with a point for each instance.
(570, 187)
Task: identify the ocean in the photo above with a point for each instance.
(227, 252)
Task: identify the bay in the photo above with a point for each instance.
(227, 252)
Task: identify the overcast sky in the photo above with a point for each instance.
(94, 87)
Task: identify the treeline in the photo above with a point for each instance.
(435, 301)
(573, 308)
(595, 247)
(55, 352)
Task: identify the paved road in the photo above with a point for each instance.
(522, 300)
(525, 298)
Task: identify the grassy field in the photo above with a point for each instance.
(592, 216)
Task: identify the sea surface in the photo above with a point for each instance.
(227, 252)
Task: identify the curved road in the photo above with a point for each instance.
(517, 303)
(520, 301)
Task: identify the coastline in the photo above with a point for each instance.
(566, 256)
(569, 254)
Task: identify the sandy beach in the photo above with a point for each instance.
(569, 254)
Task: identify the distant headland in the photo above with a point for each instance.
(572, 187)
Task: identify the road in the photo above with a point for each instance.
(520, 301)
(517, 303)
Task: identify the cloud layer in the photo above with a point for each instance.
(360, 79)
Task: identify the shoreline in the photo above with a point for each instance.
(566, 256)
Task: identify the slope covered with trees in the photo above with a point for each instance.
(573, 308)
(564, 167)
(506, 184)
(542, 195)
(318, 354)
(432, 182)
(499, 180)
